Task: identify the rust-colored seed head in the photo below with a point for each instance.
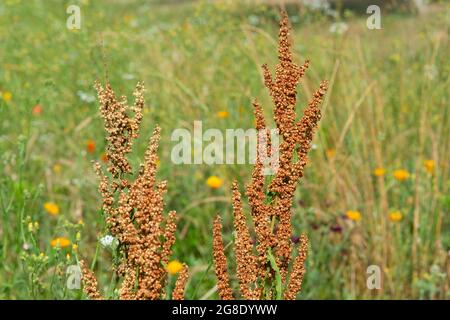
(178, 292)
(271, 205)
(90, 286)
(298, 270)
(220, 262)
(243, 248)
(135, 209)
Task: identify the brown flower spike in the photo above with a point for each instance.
(262, 270)
(90, 286)
(220, 262)
(134, 209)
(178, 291)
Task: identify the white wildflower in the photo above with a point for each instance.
(86, 97)
(338, 27)
(317, 4)
(107, 241)
(128, 76)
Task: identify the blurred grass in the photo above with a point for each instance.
(387, 107)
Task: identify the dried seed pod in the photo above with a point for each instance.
(135, 210)
(262, 275)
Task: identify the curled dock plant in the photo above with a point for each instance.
(134, 208)
(265, 267)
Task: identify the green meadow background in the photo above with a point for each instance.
(375, 191)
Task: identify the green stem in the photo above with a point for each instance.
(273, 263)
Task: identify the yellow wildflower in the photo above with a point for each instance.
(7, 96)
(33, 227)
(379, 172)
(60, 241)
(51, 208)
(174, 266)
(330, 153)
(401, 174)
(75, 247)
(395, 216)
(222, 114)
(214, 182)
(56, 168)
(429, 165)
(353, 215)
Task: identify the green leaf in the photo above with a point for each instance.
(274, 266)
